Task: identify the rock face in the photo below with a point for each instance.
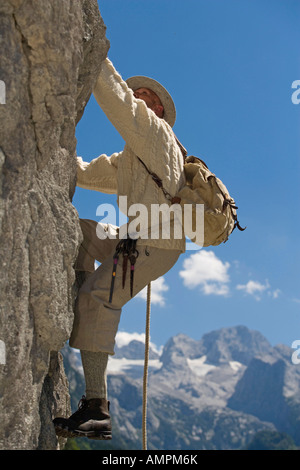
(51, 55)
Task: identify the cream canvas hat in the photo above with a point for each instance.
(145, 82)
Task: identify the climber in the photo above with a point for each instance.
(143, 113)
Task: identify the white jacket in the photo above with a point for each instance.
(146, 136)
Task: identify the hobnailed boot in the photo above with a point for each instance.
(91, 420)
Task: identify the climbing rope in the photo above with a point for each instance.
(145, 379)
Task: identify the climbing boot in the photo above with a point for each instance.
(91, 420)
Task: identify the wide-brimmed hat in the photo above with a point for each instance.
(145, 82)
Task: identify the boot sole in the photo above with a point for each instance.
(96, 435)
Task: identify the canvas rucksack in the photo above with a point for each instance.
(203, 187)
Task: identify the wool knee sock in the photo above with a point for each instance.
(94, 368)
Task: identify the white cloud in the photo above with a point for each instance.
(123, 338)
(275, 293)
(252, 287)
(158, 288)
(256, 288)
(205, 270)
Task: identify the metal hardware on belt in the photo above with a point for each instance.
(126, 247)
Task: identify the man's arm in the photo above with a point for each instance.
(99, 175)
(136, 123)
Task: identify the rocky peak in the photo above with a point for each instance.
(220, 346)
(134, 350)
(177, 350)
(233, 344)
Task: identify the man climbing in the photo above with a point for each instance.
(143, 112)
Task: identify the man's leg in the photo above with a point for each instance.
(95, 248)
(96, 323)
(94, 367)
(92, 418)
(97, 320)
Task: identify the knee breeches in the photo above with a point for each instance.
(96, 319)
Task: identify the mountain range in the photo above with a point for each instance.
(217, 393)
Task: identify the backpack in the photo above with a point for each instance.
(203, 187)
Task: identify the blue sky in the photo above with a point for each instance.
(229, 66)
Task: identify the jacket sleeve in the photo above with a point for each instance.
(100, 174)
(141, 129)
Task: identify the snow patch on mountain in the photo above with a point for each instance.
(199, 366)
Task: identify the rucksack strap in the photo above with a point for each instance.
(159, 182)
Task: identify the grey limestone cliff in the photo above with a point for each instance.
(51, 53)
